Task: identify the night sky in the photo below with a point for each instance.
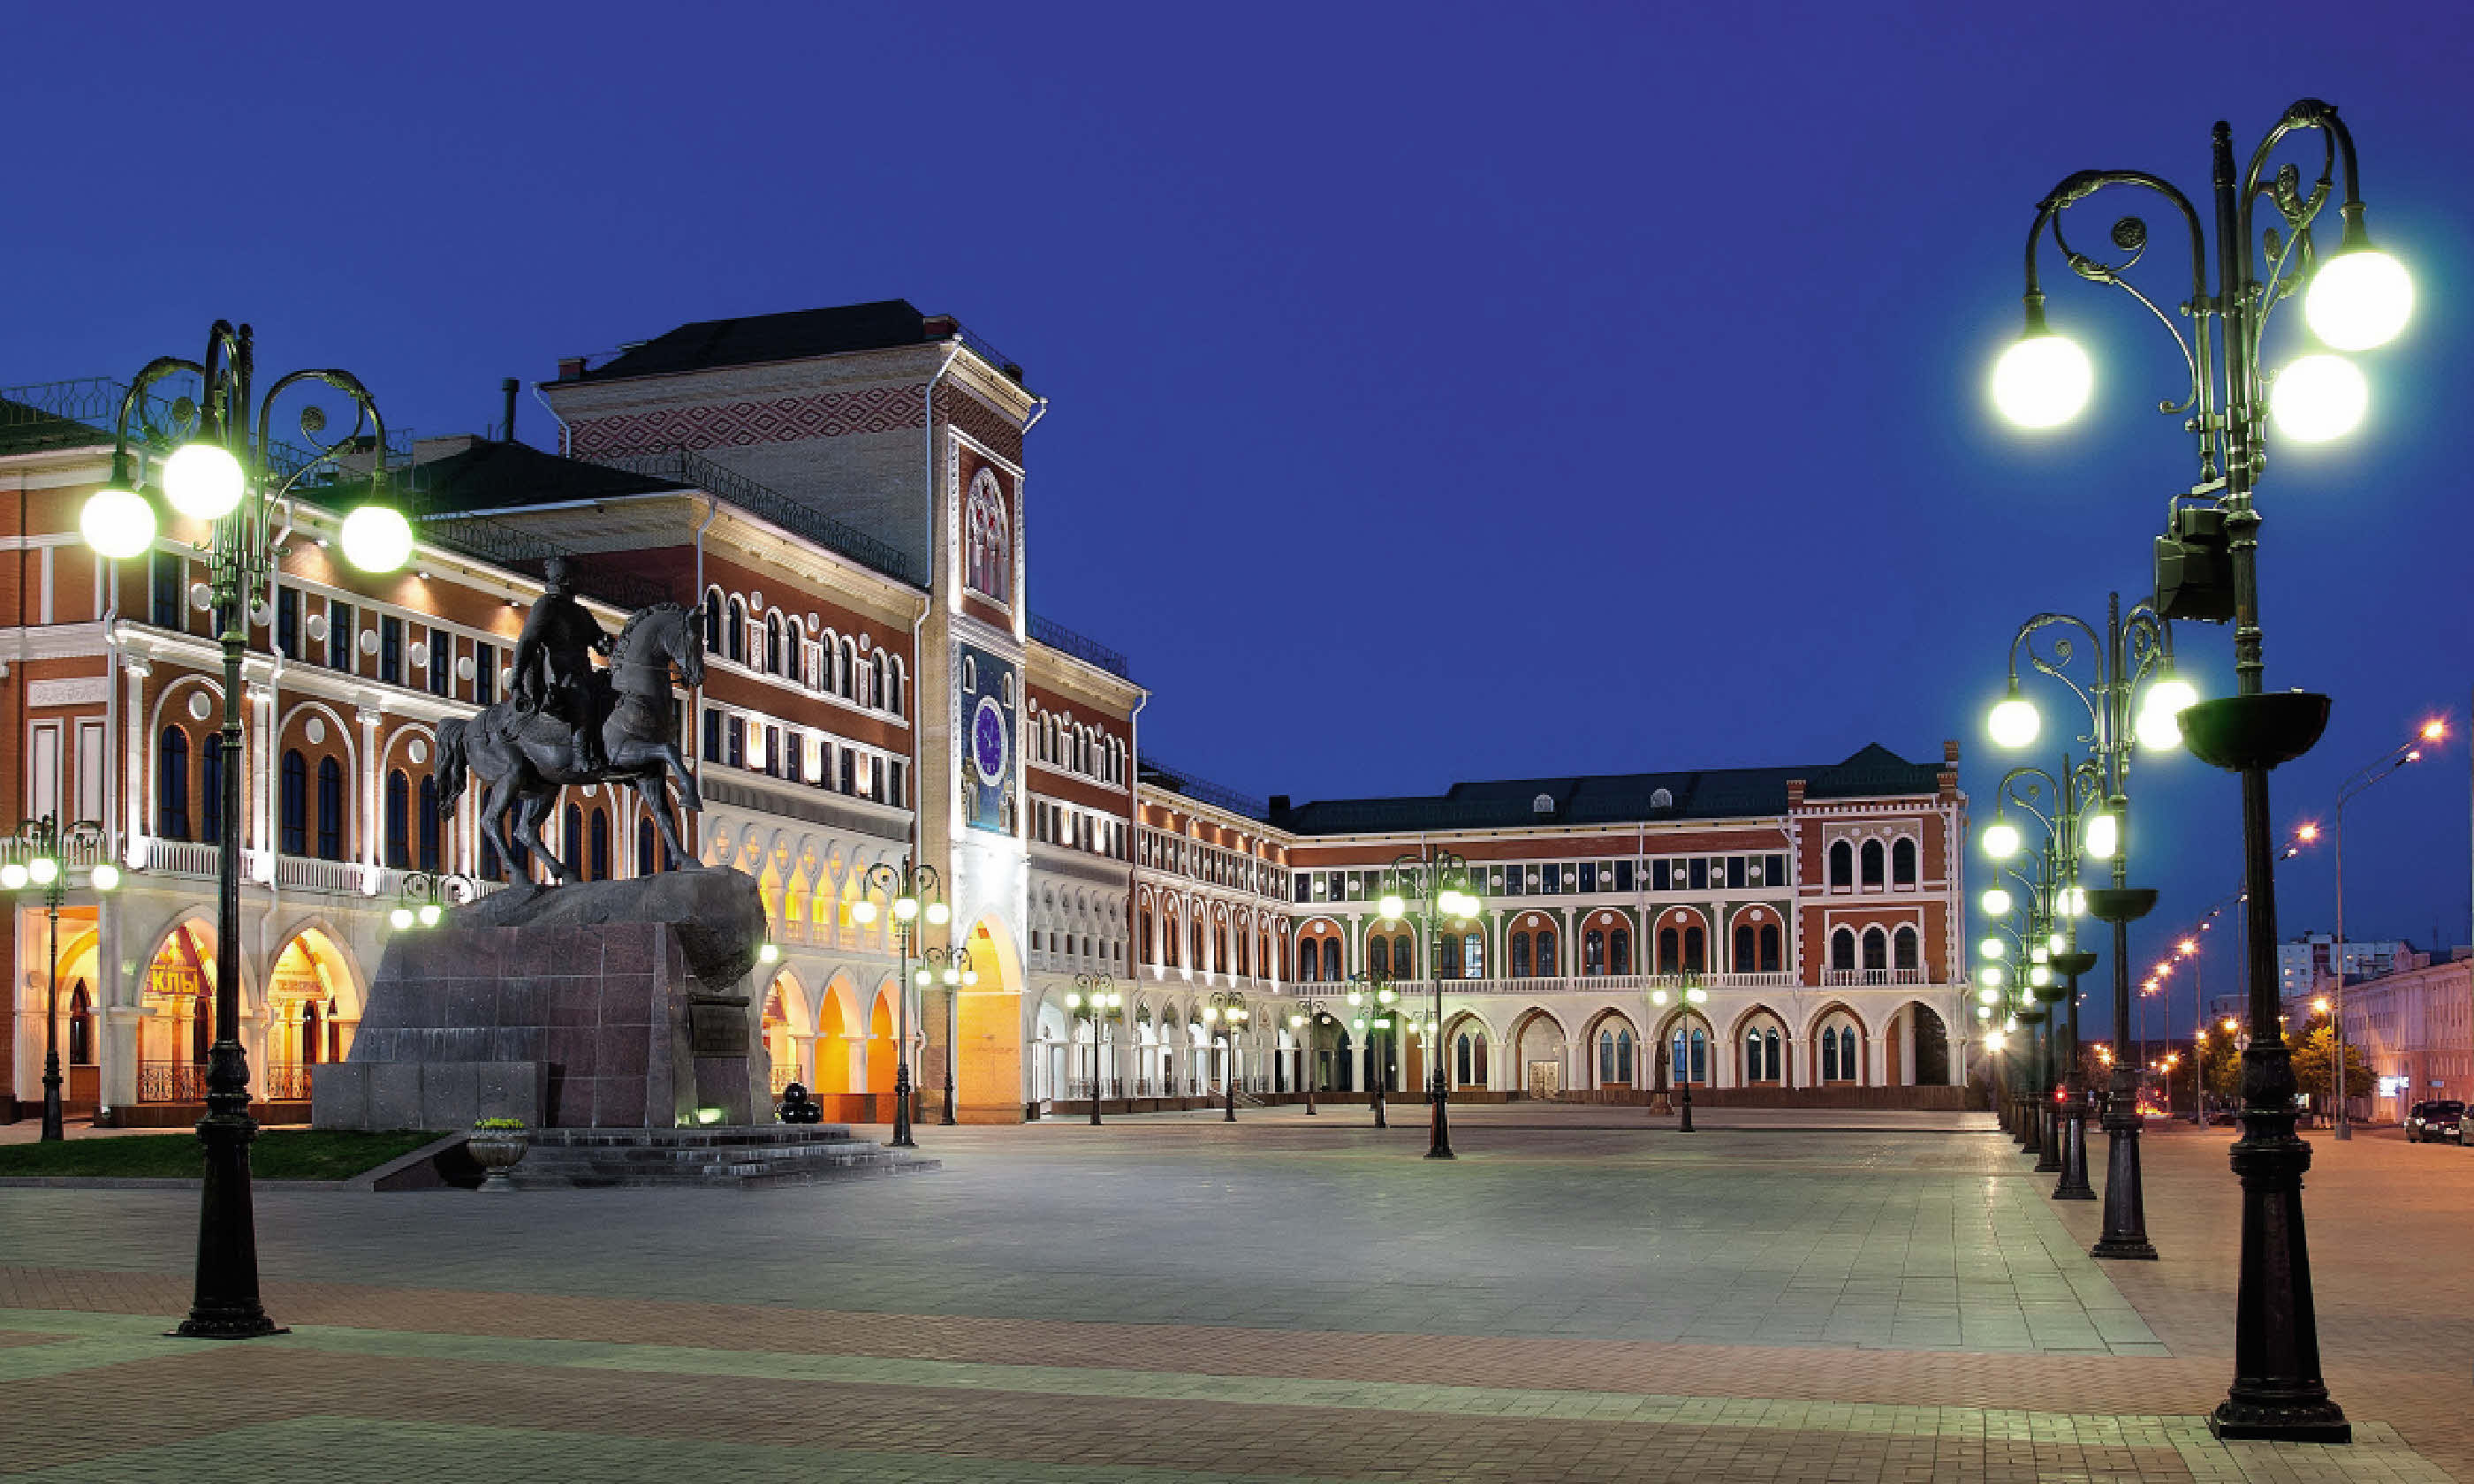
(1436, 395)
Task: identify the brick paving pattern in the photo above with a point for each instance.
(1173, 1301)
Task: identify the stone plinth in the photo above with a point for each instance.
(567, 1008)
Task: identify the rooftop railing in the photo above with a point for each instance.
(1055, 635)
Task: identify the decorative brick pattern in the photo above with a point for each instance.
(738, 424)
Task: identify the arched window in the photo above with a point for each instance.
(1747, 950)
(849, 663)
(1848, 1063)
(1902, 955)
(571, 838)
(1842, 864)
(1696, 955)
(399, 821)
(1404, 958)
(1593, 952)
(1378, 957)
(773, 643)
(331, 809)
(1169, 941)
(1547, 962)
(1689, 1050)
(1761, 1054)
(1829, 1055)
(294, 805)
(644, 847)
(1670, 951)
(1872, 863)
(1605, 1058)
(1620, 951)
(1842, 951)
(312, 1031)
(714, 608)
(988, 558)
(1520, 955)
(1462, 1059)
(825, 651)
(1770, 1063)
(172, 785)
(599, 831)
(1770, 955)
(1146, 924)
(737, 636)
(893, 685)
(876, 681)
(1876, 952)
(1903, 863)
(428, 833)
(1331, 959)
(1623, 1057)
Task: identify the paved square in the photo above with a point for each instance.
(1585, 1295)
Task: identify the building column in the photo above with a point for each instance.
(803, 1054)
(138, 798)
(368, 801)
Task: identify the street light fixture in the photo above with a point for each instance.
(1431, 888)
(2207, 567)
(426, 895)
(1096, 1000)
(1227, 1009)
(216, 471)
(912, 890)
(1308, 1020)
(1372, 998)
(42, 848)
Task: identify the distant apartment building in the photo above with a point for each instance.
(2303, 963)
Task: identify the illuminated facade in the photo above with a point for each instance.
(842, 492)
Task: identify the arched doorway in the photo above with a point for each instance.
(1932, 1047)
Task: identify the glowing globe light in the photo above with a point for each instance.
(1990, 947)
(2318, 398)
(2056, 943)
(428, 914)
(2040, 976)
(117, 523)
(2104, 835)
(1393, 906)
(2160, 723)
(938, 913)
(2042, 381)
(1072, 1002)
(970, 976)
(2359, 300)
(1996, 902)
(2000, 840)
(105, 876)
(377, 539)
(1696, 995)
(863, 912)
(906, 908)
(1988, 996)
(12, 876)
(2014, 723)
(203, 481)
(920, 977)
(1989, 976)
(42, 870)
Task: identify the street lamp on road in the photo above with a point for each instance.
(1372, 998)
(1096, 1000)
(241, 483)
(2431, 735)
(1308, 1020)
(38, 860)
(913, 893)
(1694, 997)
(1227, 1015)
(1430, 887)
(2207, 568)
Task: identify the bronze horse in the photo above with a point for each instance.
(526, 757)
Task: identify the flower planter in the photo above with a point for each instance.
(498, 1151)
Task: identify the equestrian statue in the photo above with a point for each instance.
(567, 722)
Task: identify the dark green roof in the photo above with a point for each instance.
(29, 429)
(752, 340)
(1614, 798)
(491, 475)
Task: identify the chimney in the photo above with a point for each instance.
(571, 368)
(507, 425)
(1950, 750)
(1279, 806)
(1795, 793)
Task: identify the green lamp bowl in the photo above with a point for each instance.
(2238, 733)
(2073, 964)
(2029, 1015)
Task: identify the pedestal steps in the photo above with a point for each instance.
(711, 1157)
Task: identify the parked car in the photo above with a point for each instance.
(2430, 1123)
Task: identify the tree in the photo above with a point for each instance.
(2313, 1059)
(2222, 1068)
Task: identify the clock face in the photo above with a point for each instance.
(988, 741)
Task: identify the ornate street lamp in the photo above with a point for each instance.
(1373, 998)
(912, 891)
(1096, 1000)
(2132, 701)
(2051, 959)
(39, 861)
(950, 967)
(216, 469)
(2207, 568)
(1432, 888)
(1308, 1020)
(1694, 997)
(426, 895)
(1228, 1014)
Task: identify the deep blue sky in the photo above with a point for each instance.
(1437, 394)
